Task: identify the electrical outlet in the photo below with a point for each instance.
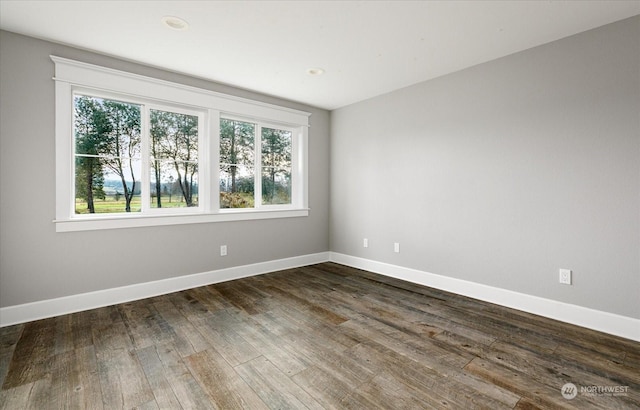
(223, 250)
(565, 276)
(365, 243)
(396, 247)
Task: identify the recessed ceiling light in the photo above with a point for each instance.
(315, 71)
(175, 23)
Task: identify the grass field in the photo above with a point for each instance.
(110, 205)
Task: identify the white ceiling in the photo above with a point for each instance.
(367, 48)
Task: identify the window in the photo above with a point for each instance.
(237, 164)
(136, 151)
(255, 172)
(276, 166)
(107, 155)
(174, 159)
(111, 146)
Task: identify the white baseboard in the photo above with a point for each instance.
(618, 325)
(581, 316)
(27, 312)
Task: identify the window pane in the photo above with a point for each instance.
(175, 186)
(236, 186)
(174, 159)
(276, 166)
(107, 150)
(101, 190)
(237, 164)
(276, 186)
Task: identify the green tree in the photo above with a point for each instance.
(122, 147)
(276, 160)
(90, 127)
(236, 148)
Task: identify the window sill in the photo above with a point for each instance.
(117, 222)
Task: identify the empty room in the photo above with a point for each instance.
(319, 204)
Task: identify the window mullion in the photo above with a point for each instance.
(295, 142)
(258, 167)
(146, 160)
(303, 168)
(212, 138)
(204, 163)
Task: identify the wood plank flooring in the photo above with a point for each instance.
(319, 337)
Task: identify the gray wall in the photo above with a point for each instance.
(504, 172)
(499, 174)
(36, 263)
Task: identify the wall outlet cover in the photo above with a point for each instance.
(565, 276)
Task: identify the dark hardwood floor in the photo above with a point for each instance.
(322, 336)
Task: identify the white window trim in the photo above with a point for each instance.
(71, 75)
